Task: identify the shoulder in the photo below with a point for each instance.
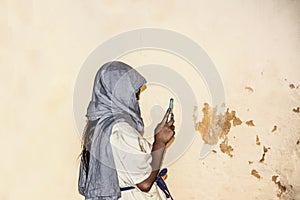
(125, 128)
(125, 136)
(125, 133)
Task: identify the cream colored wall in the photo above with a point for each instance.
(252, 43)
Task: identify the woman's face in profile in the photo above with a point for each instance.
(139, 92)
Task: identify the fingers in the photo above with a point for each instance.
(171, 122)
(166, 116)
(172, 127)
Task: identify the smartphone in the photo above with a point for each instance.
(171, 108)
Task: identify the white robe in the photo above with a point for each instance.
(132, 156)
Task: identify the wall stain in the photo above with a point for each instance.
(255, 173)
(216, 126)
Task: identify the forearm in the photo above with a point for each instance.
(163, 134)
(158, 150)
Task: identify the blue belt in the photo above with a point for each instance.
(127, 188)
(159, 181)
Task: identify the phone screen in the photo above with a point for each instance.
(171, 108)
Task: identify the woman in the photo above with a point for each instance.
(117, 162)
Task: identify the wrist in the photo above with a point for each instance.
(159, 144)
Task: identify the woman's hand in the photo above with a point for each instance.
(164, 131)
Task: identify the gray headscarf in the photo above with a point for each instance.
(113, 100)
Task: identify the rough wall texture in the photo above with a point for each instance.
(252, 43)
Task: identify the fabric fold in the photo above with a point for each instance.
(113, 100)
